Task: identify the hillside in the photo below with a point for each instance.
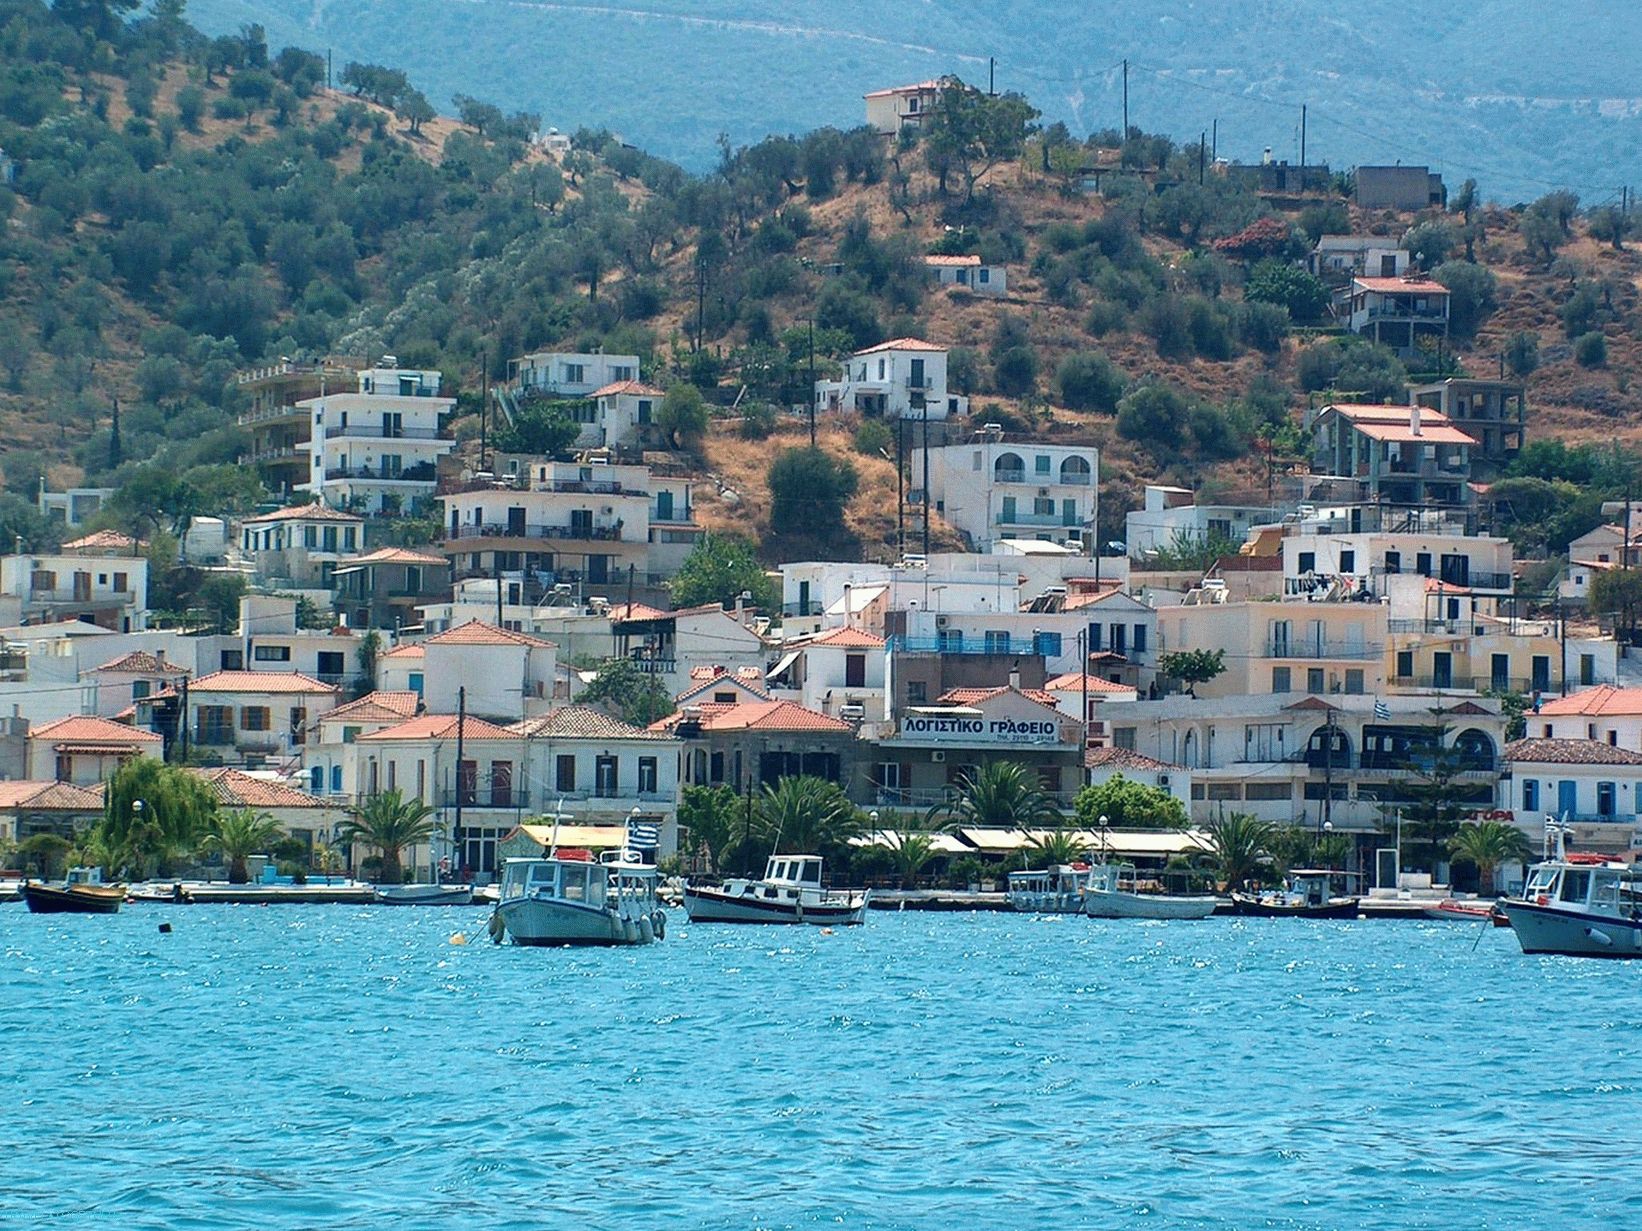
(1488, 90)
(186, 207)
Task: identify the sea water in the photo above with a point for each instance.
(340, 1067)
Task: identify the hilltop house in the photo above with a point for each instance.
(990, 489)
(1493, 412)
(99, 578)
(1403, 456)
(1399, 187)
(567, 374)
(902, 106)
(278, 427)
(968, 272)
(1171, 514)
(1398, 312)
(1357, 256)
(300, 546)
(900, 379)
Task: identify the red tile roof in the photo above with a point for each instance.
(758, 716)
(637, 611)
(414, 650)
(1385, 412)
(1437, 434)
(306, 512)
(260, 681)
(637, 388)
(478, 632)
(922, 87)
(86, 729)
(1124, 758)
(1570, 752)
(378, 707)
(142, 662)
(901, 344)
(583, 722)
(1401, 286)
(102, 539)
(851, 638)
(442, 726)
(397, 555)
(952, 261)
(975, 696)
(239, 789)
(1593, 702)
(1072, 681)
(55, 795)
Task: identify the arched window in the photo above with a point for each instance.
(1319, 754)
(1075, 470)
(1009, 468)
(1474, 749)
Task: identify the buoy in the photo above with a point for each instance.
(1601, 938)
(659, 921)
(458, 938)
(826, 931)
(629, 932)
(165, 929)
(497, 928)
(647, 930)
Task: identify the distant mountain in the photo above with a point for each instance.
(1503, 90)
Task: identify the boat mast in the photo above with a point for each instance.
(456, 825)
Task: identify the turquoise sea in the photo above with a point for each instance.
(308, 1067)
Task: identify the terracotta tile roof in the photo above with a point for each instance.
(377, 707)
(922, 87)
(260, 681)
(1570, 752)
(407, 651)
(306, 512)
(397, 555)
(1072, 681)
(1593, 702)
(1401, 286)
(1404, 433)
(750, 683)
(583, 722)
(63, 795)
(952, 261)
(142, 662)
(86, 729)
(442, 726)
(1385, 412)
(637, 611)
(901, 344)
(102, 539)
(758, 716)
(851, 638)
(636, 388)
(239, 789)
(478, 632)
(1311, 703)
(975, 696)
(1124, 758)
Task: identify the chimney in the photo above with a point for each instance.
(1414, 420)
(1014, 677)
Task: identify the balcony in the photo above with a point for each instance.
(281, 453)
(1059, 520)
(801, 609)
(378, 431)
(1305, 648)
(654, 666)
(83, 598)
(956, 644)
(423, 473)
(273, 414)
(1473, 683)
(498, 530)
(1060, 478)
(496, 797)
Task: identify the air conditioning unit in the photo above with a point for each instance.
(1163, 780)
(937, 756)
(1043, 491)
(940, 621)
(852, 713)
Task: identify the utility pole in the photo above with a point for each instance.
(327, 68)
(1202, 151)
(1302, 147)
(1214, 148)
(900, 486)
(496, 572)
(1125, 100)
(992, 76)
(183, 719)
(456, 827)
(926, 482)
(484, 402)
(812, 381)
(701, 299)
(1326, 815)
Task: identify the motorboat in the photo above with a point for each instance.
(1055, 890)
(789, 892)
(1112, 891)
(565, 900)
(1306, 893)
(1578, 905)
(424, 895)
(82, 893)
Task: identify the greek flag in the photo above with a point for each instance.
(1382, 711)
(643, 836)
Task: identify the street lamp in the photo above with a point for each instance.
(1105, 842)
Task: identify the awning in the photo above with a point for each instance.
(1149, 843)
(592, 837)
(98, 750)
(782, 667)
(940, 843)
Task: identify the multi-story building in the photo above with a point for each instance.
(1592, 785)
(277, 428)
(571, 375)
(990, 489)
(548, 523)
(1170, 516)
(757, 743)
(1494, 413)
(99, 578)
(1344, 257)
(1283, 648)
(901, 379)
(375, 448)
(85, 750)
(253, 717)
(490, 671)
(384, 588)
(72, 507)
(902, 106)
(301, 546)
(1400, 313)
(1404, 456)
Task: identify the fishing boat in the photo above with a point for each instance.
(1055, 890)
(789, 892)
(1307, 893)
(1463, 912)
(83, 893)
(435, 894)
(1112, 891)
(1578, 905)
(567, 899)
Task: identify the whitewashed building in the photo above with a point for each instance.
(990, 489)
(376, 448)
(969, 272)
(905, 378)
(571, 374)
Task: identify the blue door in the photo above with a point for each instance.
(1566, 800)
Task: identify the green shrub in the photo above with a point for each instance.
(1591, 349)
(1089, 380)
(873, 438)
(1016, 372)
(757, 421)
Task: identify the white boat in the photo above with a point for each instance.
(425, 895)
(789, 892)
(1578, 906)
(1112, 892)
(1055, 890)
(557, 901)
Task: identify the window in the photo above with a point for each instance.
(604, 777)
(1264, 742)
(1348, 560)
(1140, 638)
(254, 718)
(620, 372)
(997, 642)
(647, 776)
(1123, 737)
(1314, 680)
(575, 374)
(1393, 562)
(644, 412)
(1405, 664)
(1587, 668)
(1530, 796)
(1268, 792)
(1225, 791)
(1043, 506)
(917, 692)
(271, 653)
(1422, 563)
(140, 689)
(349, 734)
(414, 680)
(564, 777)
(1047, 644)
(1040, 464)
(984, 276)
(855, 671)
(121, 583)
(1354, 681)
(1280, 681)
(1605, 799)
(1307, 562)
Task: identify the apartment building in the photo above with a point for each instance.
(375, 448)
(990, 489)
(905, 378)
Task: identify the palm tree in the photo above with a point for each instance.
(390, 823)
(912, 849)
(999, 794)
(805, 814)
(1058, 845)
(1237, 846)
(1489, 844)
(239, 835)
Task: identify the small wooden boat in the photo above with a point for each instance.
(790, 892)
(1464, 912)
(1307, 893)
(1113, 892)
(83, 893)
(425, 895)
(565, 901)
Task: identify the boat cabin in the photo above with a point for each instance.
(801, 870)
(1605, 889)
(1113, 878)
(567, 880)
(84, 876)
(1058, 887)
(1313, 886)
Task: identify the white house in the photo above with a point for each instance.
(603, 769)
(1596, 551)
(501, 674)
(302, 545)
(1357, 256)
(671, 644)
(402, 669)
(570, 374)
(121, 682)
(75, 505)
(99, 579)
(901, 379)
(990, 489)
(1592, 784)
(1398, 312)
(85, 750)
(622, 411)
(902, 106)
(968, 272)
(325, 757)
(839, 672)
(1105, 763)
(1171, 515)
(255, 716)
(376, 448)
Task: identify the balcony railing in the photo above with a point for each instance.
(499, 530)
(801, 609)
(510, 798)
(952, 644)
(1300, 647)
(1040, 519)
(655, 666)
(1476, 683)
(280, 454)
(378, 431)
(420, 473)
(268, 414)
(1062, 478)
(926, 797)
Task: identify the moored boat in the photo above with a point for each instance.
(1112, 892)
(1307, 893)
(424, 895)
(789, 892)
(1055, 890)
(83, 893)
(1464, 912)
(1578, 905)
(565, 901)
